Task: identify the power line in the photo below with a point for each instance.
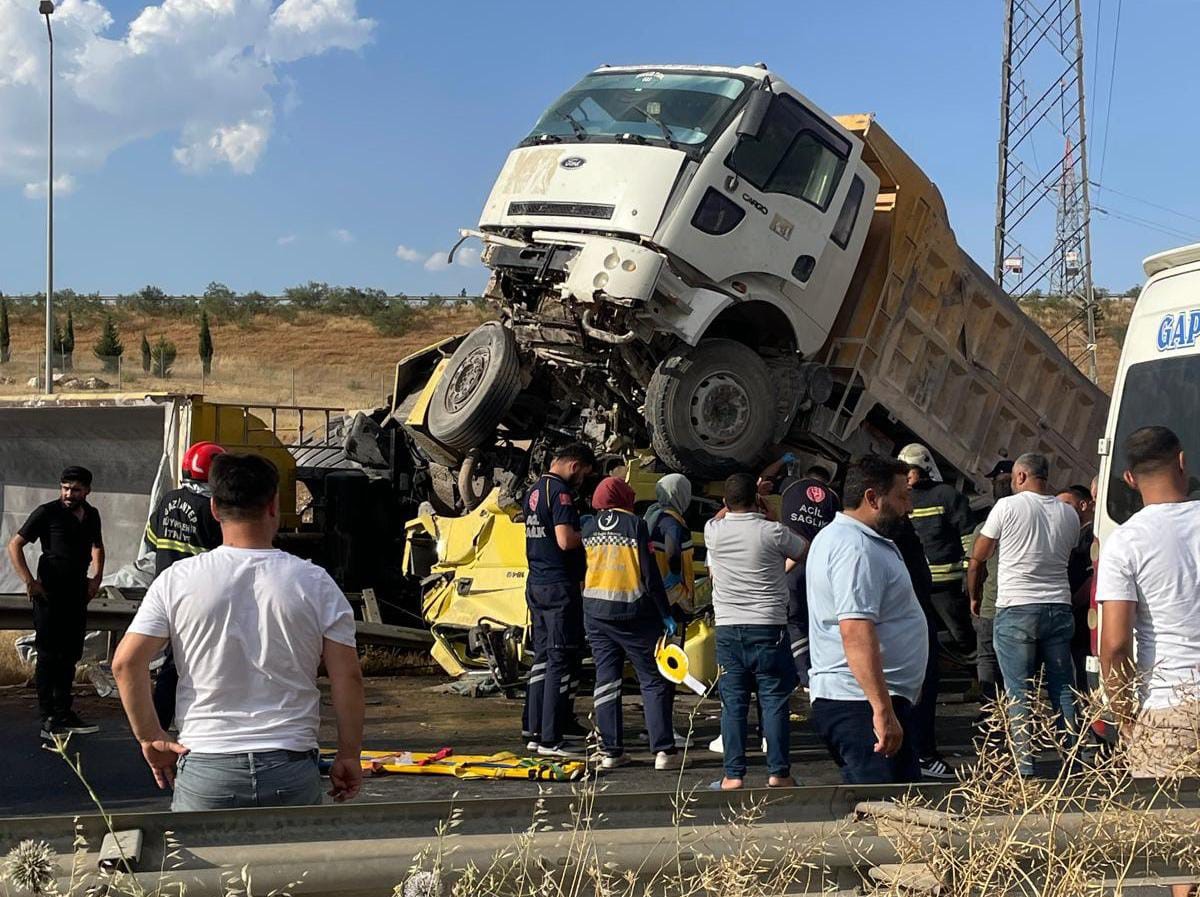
(1147, 202)
(1112, 76)
(1165, 229)
(1096, 50)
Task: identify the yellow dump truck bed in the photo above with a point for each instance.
(929, 338)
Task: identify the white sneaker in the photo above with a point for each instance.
(663, 760)
(615, 762)
(532, 745)
(717, 746)
(561, 750)
(681, 741)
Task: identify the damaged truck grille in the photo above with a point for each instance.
(570, 209)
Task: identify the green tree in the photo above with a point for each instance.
(5, 335)
(1134, 291)
(145, 354)
(108, 347)
(307, 296)
(150, 300)
(162, 356)
(462, 294)
(68, 342)
(206, 343)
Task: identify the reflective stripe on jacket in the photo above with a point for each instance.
(622, 579)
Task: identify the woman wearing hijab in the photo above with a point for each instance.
(625, 611)
(671, 541)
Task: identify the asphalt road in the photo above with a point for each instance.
(404, 713)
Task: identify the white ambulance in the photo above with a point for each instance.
(1158, 384)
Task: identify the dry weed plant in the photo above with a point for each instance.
(578, 858)
(31, 867)
(1084, 830)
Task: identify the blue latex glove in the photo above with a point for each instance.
(671, 580)
(670, 627)
(788, 458)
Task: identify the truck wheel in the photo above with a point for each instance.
(711, 409)
(480, 384)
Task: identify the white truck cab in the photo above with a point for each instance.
(666, 218)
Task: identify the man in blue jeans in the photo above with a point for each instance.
(868, 635)
(749, 555)
(1036, 534)
(249, 625)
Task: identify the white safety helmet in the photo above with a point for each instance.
(916, 455)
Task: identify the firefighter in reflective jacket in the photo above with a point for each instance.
(625, 612)
(182, 526)
(941, 516)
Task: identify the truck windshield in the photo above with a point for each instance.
(1162, 393)
(652, 106)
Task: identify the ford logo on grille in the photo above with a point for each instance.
(572, 162)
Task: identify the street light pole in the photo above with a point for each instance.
(45, 8)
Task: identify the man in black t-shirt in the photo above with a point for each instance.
(69, 531)
(553, 590)
(807, 505)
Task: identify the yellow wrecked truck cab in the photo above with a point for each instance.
(472, 570)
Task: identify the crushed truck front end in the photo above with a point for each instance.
(657, 219)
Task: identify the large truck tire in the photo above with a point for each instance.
(481, 382)
(711, 409)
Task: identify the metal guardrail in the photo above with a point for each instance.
(852, 833)
(367, 848)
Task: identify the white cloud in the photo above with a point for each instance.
(342, 235)
(465, 257)
(302, 28)
(286, 240)
(437, 262)
(407, 253)
(64, 185)
(239, 146)
(208, 71)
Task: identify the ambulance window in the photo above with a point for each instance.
(795, 153)
(1163, 393)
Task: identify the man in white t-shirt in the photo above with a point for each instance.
(1034, 623)
(249, 626)
(1148, 589)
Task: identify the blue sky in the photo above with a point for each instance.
(374, 137)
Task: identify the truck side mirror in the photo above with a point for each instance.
(755, 113)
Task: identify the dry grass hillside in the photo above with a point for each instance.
(1112, 319)
(342, 361)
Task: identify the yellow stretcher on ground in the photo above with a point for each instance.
(502, 765)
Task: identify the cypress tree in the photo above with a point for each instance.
(163, 357)
(206, 344)
(109, 348)
(145, 354)
(5, 335)
(68, 343)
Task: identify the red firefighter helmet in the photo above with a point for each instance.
(197, 460)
